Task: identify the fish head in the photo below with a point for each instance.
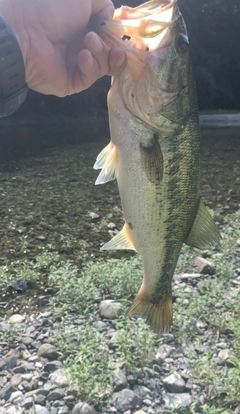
(157, 84)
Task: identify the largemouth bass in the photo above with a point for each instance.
(154, 151)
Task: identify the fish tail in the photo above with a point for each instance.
(157, 315)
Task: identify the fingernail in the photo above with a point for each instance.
(120, 60)
(96, 44)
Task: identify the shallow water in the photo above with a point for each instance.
(48, 192)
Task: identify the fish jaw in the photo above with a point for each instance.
(156, 83)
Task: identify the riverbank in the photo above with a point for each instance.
(220, 120)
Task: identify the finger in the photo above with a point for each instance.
(117, 60)
(87, 71)
(99, 50)
(103, 8)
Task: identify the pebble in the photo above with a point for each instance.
(83, 408)
(47, 351)
(164, 351)
(204, 266)
(109, 309)
(172, 401)
(126, 400)
(174, 383)
(119, 380)
(16, 318)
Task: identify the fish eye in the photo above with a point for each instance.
(182, 44)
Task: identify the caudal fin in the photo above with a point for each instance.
(157, 315)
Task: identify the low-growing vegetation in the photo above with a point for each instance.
(205, 310)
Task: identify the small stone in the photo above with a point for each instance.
(94, 216)
(56, 394)
(16, 380)
(126, 400)
(60, 378)
(48, 351)
(204, 266)
(109, 309)
(8, 363)
(41, 237)
(6, 391)
(140, 412)
(163, 352)
(83, 408)
(172, 401)
(27, 403)
(224, 356)
(40, 399)
(26, 340)
(174, 383)
(43, 301)
(142, 391)
(52, 366)
(16, 318)
(40, 410)
(44, 375)
(19, 285)
(15, 395)
(119, 380)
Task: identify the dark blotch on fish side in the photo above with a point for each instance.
(126, 37)
(152, 160)
(130, 226)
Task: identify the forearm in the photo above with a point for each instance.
(13, 87)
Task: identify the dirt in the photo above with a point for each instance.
(47, 195)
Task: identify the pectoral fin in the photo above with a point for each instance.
(122, 241)
(204, 232)
(108, 161)
(152, 160)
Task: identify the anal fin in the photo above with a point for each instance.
(108, 161)
(122, 241)
(204, 232)
(157, 315)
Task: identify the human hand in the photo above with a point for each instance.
(59, 57)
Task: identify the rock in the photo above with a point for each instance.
(172, 401)
(174, 383)
(19, 285)
(60, 378)
(40, 410)
(109, 309)
(15, 395)
(52, 366)
(94, 216)
(142, 391)
(16, 318)
(16, 380)
(126, 400)
(224, 356)
(83, 408)
(8, 363)
(119, 380)
(140, 412)
(48, 351)
(6, 391)
(56, 394)
(26, 340)
(27, 403)
(163, 352)
(204, 266)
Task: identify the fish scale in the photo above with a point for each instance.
(154, 151)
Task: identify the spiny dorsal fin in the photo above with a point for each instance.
(108, 161)
(152, 160)
(122, 241)
(204, 232)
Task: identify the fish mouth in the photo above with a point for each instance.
(145, 27)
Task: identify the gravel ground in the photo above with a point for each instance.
(47, 197)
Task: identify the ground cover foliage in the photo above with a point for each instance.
(203, 314)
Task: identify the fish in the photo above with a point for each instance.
(154, 152)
